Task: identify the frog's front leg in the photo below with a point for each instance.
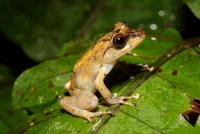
(108, 96)
(81, 104)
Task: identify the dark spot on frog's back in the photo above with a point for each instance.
(94, 57)
(73, 75)
(104, 40)
(93, 46)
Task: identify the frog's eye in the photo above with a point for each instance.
(119, 41)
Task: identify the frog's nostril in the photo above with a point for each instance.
(137, 33)
(133, 33)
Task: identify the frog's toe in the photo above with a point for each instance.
(127, 103)
(136, 96)
(96, 114)
(89, 119)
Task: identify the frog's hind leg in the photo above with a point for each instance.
(81, 105)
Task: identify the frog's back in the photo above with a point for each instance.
(88, 66)
(85, 72)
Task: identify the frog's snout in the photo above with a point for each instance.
(138, 33)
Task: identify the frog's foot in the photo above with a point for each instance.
(123, 102)
(88, 115)
(123, 98)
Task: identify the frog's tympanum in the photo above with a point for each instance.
(91, 69)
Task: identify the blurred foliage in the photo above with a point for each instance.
(194, 6)
(41, 27)
(61, 31)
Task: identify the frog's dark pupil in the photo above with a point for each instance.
(120, 41)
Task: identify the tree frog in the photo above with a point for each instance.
(91, 69)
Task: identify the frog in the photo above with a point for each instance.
(91, 69)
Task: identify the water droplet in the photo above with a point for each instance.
(153, 26)
(161, 13)
(153, 38)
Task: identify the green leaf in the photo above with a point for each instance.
(43, 83)
(164, 94)
(194, 6)
(183, 72)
